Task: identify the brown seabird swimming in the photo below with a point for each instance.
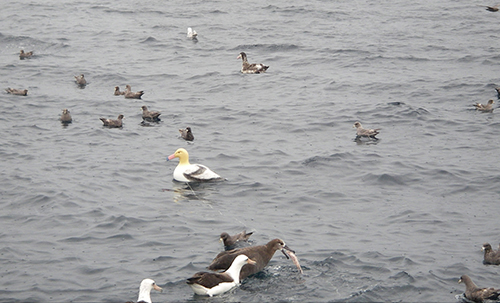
(80, 80)
(363, 132)
(476, 294)
(491, 8)
(66, 116)
(118, 92)
(261, 254)
(254, 68)
(210, 284)
(129, 94)
(23, 55)
(231, 241)
(152, 116)
(19, 92)
(186, 133)
(112, 122)
(490, 256)
(486, 108)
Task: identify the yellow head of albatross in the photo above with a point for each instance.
(182, 154)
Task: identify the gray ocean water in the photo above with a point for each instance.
(87, 212)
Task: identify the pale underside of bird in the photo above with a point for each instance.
(66, 116)
(191, 33)
(484, 107)
(210, 284)
(364, 132)
(254, 68)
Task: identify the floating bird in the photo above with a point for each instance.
(362, 132)
(186, 172)
(23, 55)
(490, 256)
(247, 68)
(186, 133)
(111, 122)
(191, 34)
(498, 92)
(491, 8)
(487, 108)
(210, 284)
(476, 294)
(66, 116)
(231, 241)
(129, 94)
(118, 92)
(152, 116)
(19, 92)
(261, 254)
(145, 291)
(80, 80)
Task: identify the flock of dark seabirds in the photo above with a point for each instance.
(239, 259)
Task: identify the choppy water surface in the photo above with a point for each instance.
(88, 212)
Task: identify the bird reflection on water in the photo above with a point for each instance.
(184, 191)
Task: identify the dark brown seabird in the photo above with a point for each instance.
(230, 241)
(491, 8)
(261, 254)
(111, 122)
(118, 92)
(152, 116)
(476, 294)
(490, 256)
(129, 94)
(19, 92)
(186, 134)
(23, 55)
(80, 80)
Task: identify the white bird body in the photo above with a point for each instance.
(145, 290)
(191, 33)
(187, 172)
(211, 284)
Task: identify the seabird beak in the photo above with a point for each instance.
(250, 261)
(158, 288)
(170, 157)
(286, 248)
(460, 280)
(239, 57)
